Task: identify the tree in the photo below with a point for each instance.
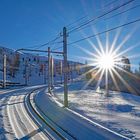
(87, 71)
(126, 64)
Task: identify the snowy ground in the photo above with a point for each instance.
(119, 112)
(15, 121)
(77, 126)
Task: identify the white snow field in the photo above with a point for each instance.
(90, 115)
(120, 112)
(76, 125)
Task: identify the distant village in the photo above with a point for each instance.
(26, 65)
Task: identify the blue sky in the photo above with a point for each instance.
(25, 23)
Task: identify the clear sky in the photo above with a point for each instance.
(25, 23)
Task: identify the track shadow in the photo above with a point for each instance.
(28, 136)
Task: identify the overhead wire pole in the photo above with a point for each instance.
(61, 70)
(49, 70)
(52, 71)
(26, 75)
(65, 67)
(45, 74)
(64, 53)
(45, 51)
(107, 84)
(4, 71)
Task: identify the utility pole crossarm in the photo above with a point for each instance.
(49, 89)
(34, 50)
(4, 71)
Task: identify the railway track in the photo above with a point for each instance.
(22, 125)
(60, 133)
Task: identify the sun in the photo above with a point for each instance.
(106, 61)
(105, 66)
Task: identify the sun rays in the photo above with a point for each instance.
(106, 63)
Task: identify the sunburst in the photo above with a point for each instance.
(107, 62)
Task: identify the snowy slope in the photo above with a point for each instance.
(33, 67)
(15, 119)
(77, 126)
(120, 112)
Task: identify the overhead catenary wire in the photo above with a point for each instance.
(76, 21)
(83, 17)
(110, 3)
(89, 25)
(102, 15)
(104, 7)
(57, 48)
(48, 43)
(114, 28)
(52, 42)
(134, 7)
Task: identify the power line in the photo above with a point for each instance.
(111, 16)
(110, 3)
(79, 19)
(102, 15)
(123, 12)
(104, 7)
(57, 48)
(83, 24)
(51, 42)
(91, 36)
(48, 43)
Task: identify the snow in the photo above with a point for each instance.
(90, 113)
(119, 112)
(36, 67)
(75, 125)
(15, 122)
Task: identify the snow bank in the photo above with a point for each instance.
(120, 111)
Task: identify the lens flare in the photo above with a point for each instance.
(106, 62)
(106, 67)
